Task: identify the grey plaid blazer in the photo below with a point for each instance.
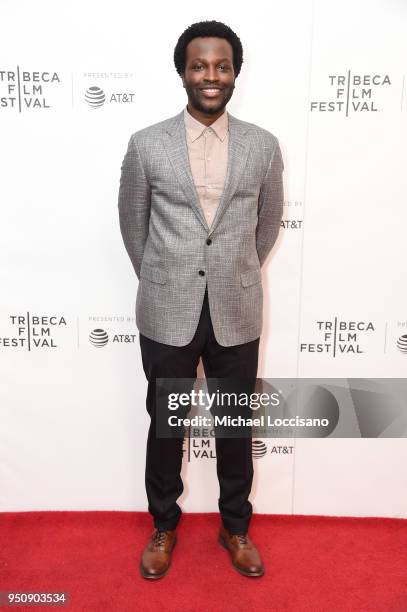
(173, 251)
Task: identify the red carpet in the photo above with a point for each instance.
(312, 564)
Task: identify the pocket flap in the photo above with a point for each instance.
(155, 275)
(251, 277)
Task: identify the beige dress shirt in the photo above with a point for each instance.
(208, 156)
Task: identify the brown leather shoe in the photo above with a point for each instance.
(156, 558)
(245, 556)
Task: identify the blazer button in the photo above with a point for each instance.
(201, 273)
(209, 241)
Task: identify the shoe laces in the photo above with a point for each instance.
(242, 537)
(159, 537)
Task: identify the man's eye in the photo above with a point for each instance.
(197, 67)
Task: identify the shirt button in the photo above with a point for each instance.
(209, 241)
(208, 159)
(201, 273)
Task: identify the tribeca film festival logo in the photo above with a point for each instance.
(33, 331)
(352, 93)
(23, 90)
(338, 337)
(97, 96)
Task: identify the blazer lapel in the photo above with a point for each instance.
(176, 147)
(175, 144)
(238, 152)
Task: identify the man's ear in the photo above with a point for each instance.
(182, 79)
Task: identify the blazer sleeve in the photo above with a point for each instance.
(270, 208)
(134, 205)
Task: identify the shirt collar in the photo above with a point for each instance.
(195, 127)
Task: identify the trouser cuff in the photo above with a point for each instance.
(236, 527)
(166, 525)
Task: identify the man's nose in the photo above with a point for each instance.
(211, 74)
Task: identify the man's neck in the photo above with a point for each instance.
(204, 117)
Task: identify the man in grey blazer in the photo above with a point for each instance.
(200, 206)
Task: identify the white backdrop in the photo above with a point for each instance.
(328, 80)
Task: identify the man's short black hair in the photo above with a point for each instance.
(207, 28)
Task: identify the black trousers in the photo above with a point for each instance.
(164, 455)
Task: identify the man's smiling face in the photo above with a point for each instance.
(209, 77)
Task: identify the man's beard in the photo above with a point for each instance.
(199, 103)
